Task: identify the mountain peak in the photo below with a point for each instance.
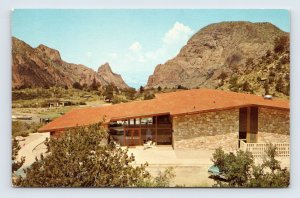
(53, 54)
(110, 77)
(105, 68)
(43, 67)
(220, 48)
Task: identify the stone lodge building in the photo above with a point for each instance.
(189, 119)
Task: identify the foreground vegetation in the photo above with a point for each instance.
(23, 129)
(240, 170)
(82, 157)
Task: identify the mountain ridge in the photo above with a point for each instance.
(228, 48)
(43, 67)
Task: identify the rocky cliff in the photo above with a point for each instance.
(43, 67)
(227, 53)
(109, 76)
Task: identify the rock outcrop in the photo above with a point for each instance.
(110, 77)
(43, 67)
(219, 51)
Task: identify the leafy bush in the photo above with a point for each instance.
(77, 85)
(280, 85)
(223, 76)
(141, 90)
(284, 60)
(82, 157)
(15, 149)
(117, 100)
(267, 87)
(159, 88)
(181, 87)
(130, 93)
(20, 128)
(149, 96)
(233, 80)
(240, 169)
(246, 86)
(281, 44)
(258, 78)
(236, 168)
(23, 129)
(249, 61)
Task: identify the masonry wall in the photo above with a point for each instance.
(273, 121)
(206, 130)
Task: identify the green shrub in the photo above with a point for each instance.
(82, 157)
(233, 80)
(240, 169)
(281, 44)
(223, 76)
(280, 85)
(284, 60)
(149, 96)
(20, 128)
(77, 85)
(159, 88)
(246, 86)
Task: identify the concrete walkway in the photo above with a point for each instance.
(190, 166)
(28, 148)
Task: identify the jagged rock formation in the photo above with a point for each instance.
(109, 76)
(221, 51)
(43, 67)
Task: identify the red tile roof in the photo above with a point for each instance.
(175, 103)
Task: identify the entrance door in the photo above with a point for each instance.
(132, 137)
(248, 124)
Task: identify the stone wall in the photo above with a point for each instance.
(228, 141)
(210, 124)
(273, 121)
(273, 138)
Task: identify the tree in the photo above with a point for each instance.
(109, 92)
(77, 85)
(280, 85)
(267, 87)
(287, 89)
(249, 61)
(130, 93)
(223, 76)
(181, 87)
(15, 149)
(236, 168)
(281, 44)
(270, 173)
(15, 163)
(95, 85)
(159, 88)
(149, 96)
(240, 170)
(233, 83)
(246, 86)
(83, 157)
(141, 89)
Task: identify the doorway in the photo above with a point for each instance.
(248, 124)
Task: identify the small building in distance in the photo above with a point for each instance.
(58, 103)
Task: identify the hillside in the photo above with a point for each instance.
(237, 56)
(43, 67)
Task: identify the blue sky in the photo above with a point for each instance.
(132, 41)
